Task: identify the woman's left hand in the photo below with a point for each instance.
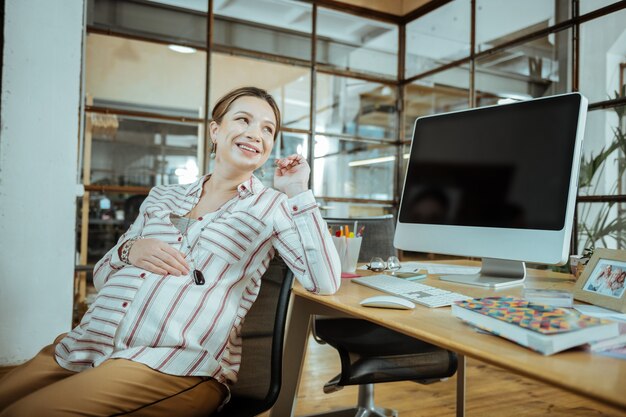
(292, 175)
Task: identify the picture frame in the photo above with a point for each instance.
(603, 281)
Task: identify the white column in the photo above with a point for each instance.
(38, 172)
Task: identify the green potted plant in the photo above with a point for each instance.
(599, 227)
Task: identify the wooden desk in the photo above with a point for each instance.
(594, 376)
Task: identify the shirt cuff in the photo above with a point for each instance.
(302, 202)
(115, 260)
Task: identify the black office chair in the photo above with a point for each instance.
(263, 332)
(131, 209)
(370, 353)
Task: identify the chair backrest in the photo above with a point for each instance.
(262, 334)
(131, 209)
(377, 235)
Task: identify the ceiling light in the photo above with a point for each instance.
(507, 98)
(371, 161)
(182, 49)
(376, 160)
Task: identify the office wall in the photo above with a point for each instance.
(38, 166)
(144, 73)
(131, 71)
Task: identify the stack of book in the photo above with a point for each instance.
(615, 346)
(555, 298)
(543, 328)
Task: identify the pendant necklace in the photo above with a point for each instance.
(198, 277)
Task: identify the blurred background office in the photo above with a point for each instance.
(103, 99)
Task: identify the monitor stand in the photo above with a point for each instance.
(495, 273)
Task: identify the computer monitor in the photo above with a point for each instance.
(495, 182)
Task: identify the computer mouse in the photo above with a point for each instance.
(387, 301)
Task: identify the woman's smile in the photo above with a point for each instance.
(248, 148)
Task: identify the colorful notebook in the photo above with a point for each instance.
(540, 327)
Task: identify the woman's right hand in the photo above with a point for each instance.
(157, 256)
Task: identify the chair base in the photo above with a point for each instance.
(358, 412)
(365, 406)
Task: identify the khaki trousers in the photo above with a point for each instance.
(118, 387)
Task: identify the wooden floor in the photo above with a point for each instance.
(490, 392)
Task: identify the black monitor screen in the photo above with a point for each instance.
(501, 166)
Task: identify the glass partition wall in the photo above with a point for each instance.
(149, 88)
(349, 87)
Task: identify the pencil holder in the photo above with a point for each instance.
(348, 250)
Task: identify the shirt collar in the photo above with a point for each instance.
(195, 187)
(249, 187)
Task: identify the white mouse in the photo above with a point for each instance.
(387, 301)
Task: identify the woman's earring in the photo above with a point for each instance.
(262, 172)
(213, 149)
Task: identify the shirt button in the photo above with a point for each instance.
(143, 274)
(125, 304)
(295, 208)
(180, 238)
(199, 218)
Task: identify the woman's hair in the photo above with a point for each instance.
(223, 104)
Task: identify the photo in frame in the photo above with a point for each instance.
(602, 283)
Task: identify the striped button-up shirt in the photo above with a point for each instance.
(175, 326)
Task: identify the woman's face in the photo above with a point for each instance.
(245, 136)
